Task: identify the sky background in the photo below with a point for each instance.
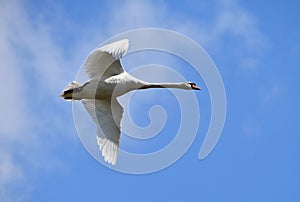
(254, 44)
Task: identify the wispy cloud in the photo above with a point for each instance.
(30, 64)
(11, 77)
(232, 30)
(230, 22)
(10, 176)
(237, 21)
(133, 14)
(270, 93)
(252, 129)
(249, 42)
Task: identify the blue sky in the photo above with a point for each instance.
(254, 44)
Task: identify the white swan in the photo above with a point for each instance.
(108, 80)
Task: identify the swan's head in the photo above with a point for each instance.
(192, 86)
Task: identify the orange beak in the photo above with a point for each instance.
(195, 87)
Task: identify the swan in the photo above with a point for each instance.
(108, 80)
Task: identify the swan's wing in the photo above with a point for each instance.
(107, 115)
(104, 62)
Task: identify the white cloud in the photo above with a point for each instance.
(30, 64)
(10, 176)
(133, 14)
(269, 93)
(12, 110)
(12, 106)
(230, 19)
(237, 21)
(252, 129)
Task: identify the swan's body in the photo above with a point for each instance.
(108, 80)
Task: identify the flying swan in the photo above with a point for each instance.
(108, 80)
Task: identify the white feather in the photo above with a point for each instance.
(116, 49)
(104, 61)
(107, 115)
(72, 85)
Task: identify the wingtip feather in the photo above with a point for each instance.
(108, 149)
(116, 49)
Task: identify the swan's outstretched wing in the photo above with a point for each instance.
(104, 62)
(107, 115)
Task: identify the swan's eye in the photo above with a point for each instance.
(192, 84)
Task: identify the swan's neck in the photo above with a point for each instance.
(164, 85)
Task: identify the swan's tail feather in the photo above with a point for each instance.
(72, 85)
(68, 90)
